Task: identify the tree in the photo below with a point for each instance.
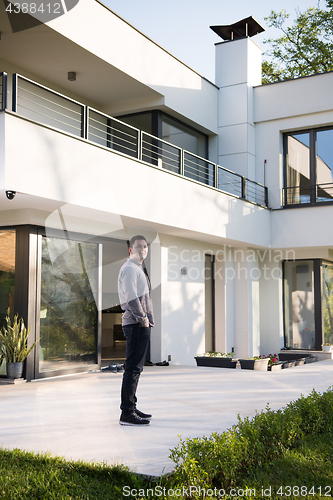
(305, 48)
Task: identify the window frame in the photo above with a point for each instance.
(313, 166)
(157, 123)
(318, 302)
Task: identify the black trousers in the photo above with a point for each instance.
(137, 341)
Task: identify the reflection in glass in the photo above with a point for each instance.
(324, 165)
(299, 305)
(7, 277)
(298, 169)
(68, 313)
(142, 121)
(183, 136)
(173, 131)
(327, 302)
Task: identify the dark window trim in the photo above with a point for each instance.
(313, 163)
(317, 263)
(317, 285)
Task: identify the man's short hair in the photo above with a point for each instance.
(137, 237)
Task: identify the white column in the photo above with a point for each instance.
(271, 300)
(246, 303)
(238, 69)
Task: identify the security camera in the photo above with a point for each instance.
(10, 194)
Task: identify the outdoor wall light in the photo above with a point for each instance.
(183, 271)
(71, 76)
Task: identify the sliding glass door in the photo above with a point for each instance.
(299, 309)
(308, 303)
(68, 304)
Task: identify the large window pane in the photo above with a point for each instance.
(327, 302)
(324, 165)
(183, 136)
(299, 305)
(68, 315)
(142, 121)
(298, 169)
(7, 277)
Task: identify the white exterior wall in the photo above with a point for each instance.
(71, 171)
(283, 107)
(237, 300)
(238, 69)
(271, 306)
(117, 43)
(183, 300)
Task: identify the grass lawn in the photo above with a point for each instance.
(24, 475)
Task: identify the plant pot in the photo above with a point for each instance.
(216, 362)
(276, 366)
(254, 364)
(14, 370)
(327, 348)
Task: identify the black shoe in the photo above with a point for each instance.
(142, 415)
(132, 419)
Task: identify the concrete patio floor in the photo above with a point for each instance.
(77, 416)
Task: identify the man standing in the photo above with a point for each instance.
(135, 300)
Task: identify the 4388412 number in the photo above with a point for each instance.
(304, 491)
(32, 8)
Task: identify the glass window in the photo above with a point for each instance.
(183, 136)
(142, 121)
(299, 305)
(173, 131)
(327, 302)
(7, 277)
(309, 167)
(68, 312)
(298, 168)
(324, 163)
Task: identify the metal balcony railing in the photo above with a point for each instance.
(199, 169)
(43, 105)
(38, 103)
(300, 195)
(160, 153)
(112, 133)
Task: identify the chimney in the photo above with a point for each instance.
(238, 70)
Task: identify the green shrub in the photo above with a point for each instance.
(314, 411)
(219, 460)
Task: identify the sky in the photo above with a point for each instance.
(182, 26)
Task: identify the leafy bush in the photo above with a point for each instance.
(219, 460)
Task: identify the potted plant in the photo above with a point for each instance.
(13, 346)
(274, 363)
(327, 347)
(217, 359)
(255, 363)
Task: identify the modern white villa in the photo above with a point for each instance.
(104, 135)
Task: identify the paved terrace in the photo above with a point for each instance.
(77, 416)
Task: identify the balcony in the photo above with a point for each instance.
(307, 195)
(44, 106)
